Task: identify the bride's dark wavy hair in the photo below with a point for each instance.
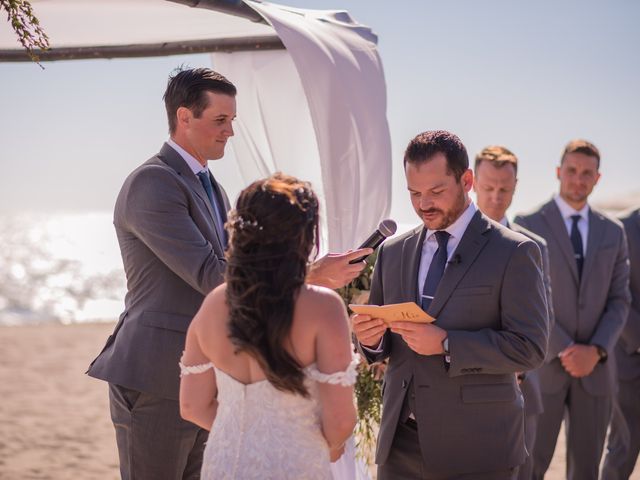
(273, 231)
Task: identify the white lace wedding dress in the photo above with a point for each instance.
(263, 433)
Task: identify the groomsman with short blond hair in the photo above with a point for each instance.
(496, 170)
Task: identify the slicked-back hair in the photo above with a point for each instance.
(188, 87)
(581, 146)
(498, 156)
(427, 144)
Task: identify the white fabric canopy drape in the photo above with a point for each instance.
(317, 111)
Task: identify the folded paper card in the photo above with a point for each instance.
(406, 312)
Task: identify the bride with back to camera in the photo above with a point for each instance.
(268, 365)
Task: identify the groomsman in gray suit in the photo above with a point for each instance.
(169, 219)
(496, 169)
(452, 408)
(624, 437)
(590, 276)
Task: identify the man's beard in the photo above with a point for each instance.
(451, 215)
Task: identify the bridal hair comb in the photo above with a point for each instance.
(238, 222)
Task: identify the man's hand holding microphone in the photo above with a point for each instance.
(335, 270)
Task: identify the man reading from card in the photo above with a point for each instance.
(452, 406)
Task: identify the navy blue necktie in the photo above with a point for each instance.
(576, 241)
(205, 179)
(436, 269)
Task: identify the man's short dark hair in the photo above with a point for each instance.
(188, 87)
(581, 146)
(498, 156)
(427, 144)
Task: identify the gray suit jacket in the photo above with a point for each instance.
(172, 258)
(530, 386)
(627, 356)
(592, 311)
(492, 304)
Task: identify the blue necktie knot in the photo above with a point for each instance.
(442, 237)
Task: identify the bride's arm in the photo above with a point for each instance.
(334, 354)
(197, 380)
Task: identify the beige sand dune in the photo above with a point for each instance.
(54, 420)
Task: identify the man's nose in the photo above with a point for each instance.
(425, 203)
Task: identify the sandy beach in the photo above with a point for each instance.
(54, 420)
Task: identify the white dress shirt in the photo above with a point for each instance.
(195, 166)
(567, 211)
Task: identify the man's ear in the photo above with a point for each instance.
(467, 180)
(184, 116)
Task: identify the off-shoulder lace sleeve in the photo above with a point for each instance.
(193, 369)
(345, 378)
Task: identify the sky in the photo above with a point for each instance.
(528, 75)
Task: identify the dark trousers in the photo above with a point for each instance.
(154, 442)
(530, 424)
(624, 437)
(405, 461)
(586, 419)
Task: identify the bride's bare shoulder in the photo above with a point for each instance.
(213, 310)
(321, 304)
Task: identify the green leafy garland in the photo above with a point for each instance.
(26, 26)
(368, 386)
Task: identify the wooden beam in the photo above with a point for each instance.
(269, 42)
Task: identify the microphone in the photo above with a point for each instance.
(386, 228)
(457, 259)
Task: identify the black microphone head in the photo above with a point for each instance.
(387, 227)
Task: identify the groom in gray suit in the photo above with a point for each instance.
(496, 169)
(452, 408)
(590, 276)
(169, 219)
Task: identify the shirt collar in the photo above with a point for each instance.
(504, 221)
(195, 166)
(567, 210)
(457, 228)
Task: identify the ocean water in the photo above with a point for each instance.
(62, 268)
(59, 268)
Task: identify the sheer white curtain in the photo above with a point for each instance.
(317, 111)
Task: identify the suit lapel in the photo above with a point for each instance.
(410, 264)
(595, 235)
(176, 162)
(552, 216)
(472, 242)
